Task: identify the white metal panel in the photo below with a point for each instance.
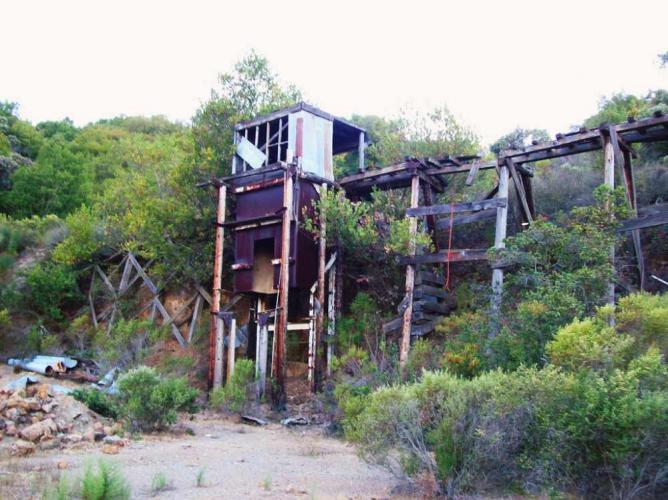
(316, 142)
(250, 154)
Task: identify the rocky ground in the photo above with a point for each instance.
(234, 460)
(47, 434)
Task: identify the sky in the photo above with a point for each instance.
(497, 65)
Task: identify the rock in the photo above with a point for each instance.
(63, 426)
(22, 448)
(14, 413)
(43, 392)
(98, 427)
(107, 430)
(3, 424)
(36, 431)
(72, 438)
(48, 444)
(27, 404)
(89, 435)
(48, 407)
(114, 440)
(63, 465)
(11, 430)
(111, 449)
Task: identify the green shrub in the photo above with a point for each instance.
(125, 344)
(105, 483)
(424, 355)
(589, 343)
(52, 288)
(465, 338)
(237, 391)
(531, 430)
(645, 317)
(150, 402)
(97, 401)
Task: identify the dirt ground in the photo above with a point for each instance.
(238, 460)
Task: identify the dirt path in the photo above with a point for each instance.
(239, 461)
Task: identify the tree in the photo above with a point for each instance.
(519, 138)
(57, 183)
(64, 128)
(250, 90)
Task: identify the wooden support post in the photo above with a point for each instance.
(216, 335)
(499, 242)
(262, 349)
(311, 337)
(410, 277)
(231, 349)
(519, 190)
(320, 309)
(360, 151)
(629, 184)
(331, 318)
(279, 367)
(197, 311)
(528, 191)
(91, 302)
(609, 164)
(427, 191)
(125, 277)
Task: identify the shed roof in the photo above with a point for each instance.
(346, 133)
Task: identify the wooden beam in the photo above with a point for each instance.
(91, 302)
(216, 334)
(360, 152)
(194, 320)
(473, 206)
(472, 173)
(431, 220)
(231, 349)
(460, 255)
(645, 221)
(168, 321)
(457, 169)
(320, 312)
(499, 243)
(279, 366)
(519, 190)
(528, 192)
(488, 213)
(262, 345)
(331, 318)
(410, 277)
(609, 166)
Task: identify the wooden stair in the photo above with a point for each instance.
(428, 305)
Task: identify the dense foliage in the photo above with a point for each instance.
(593, 420)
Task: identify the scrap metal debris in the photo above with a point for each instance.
(249, 419)
(46, 365)
(292, 421)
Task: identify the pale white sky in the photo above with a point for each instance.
(496, 64)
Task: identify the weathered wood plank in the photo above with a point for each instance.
(656, 219)
(519, 190)
(473, 206)
(410, 277)
(444, 223)
(460, 255)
